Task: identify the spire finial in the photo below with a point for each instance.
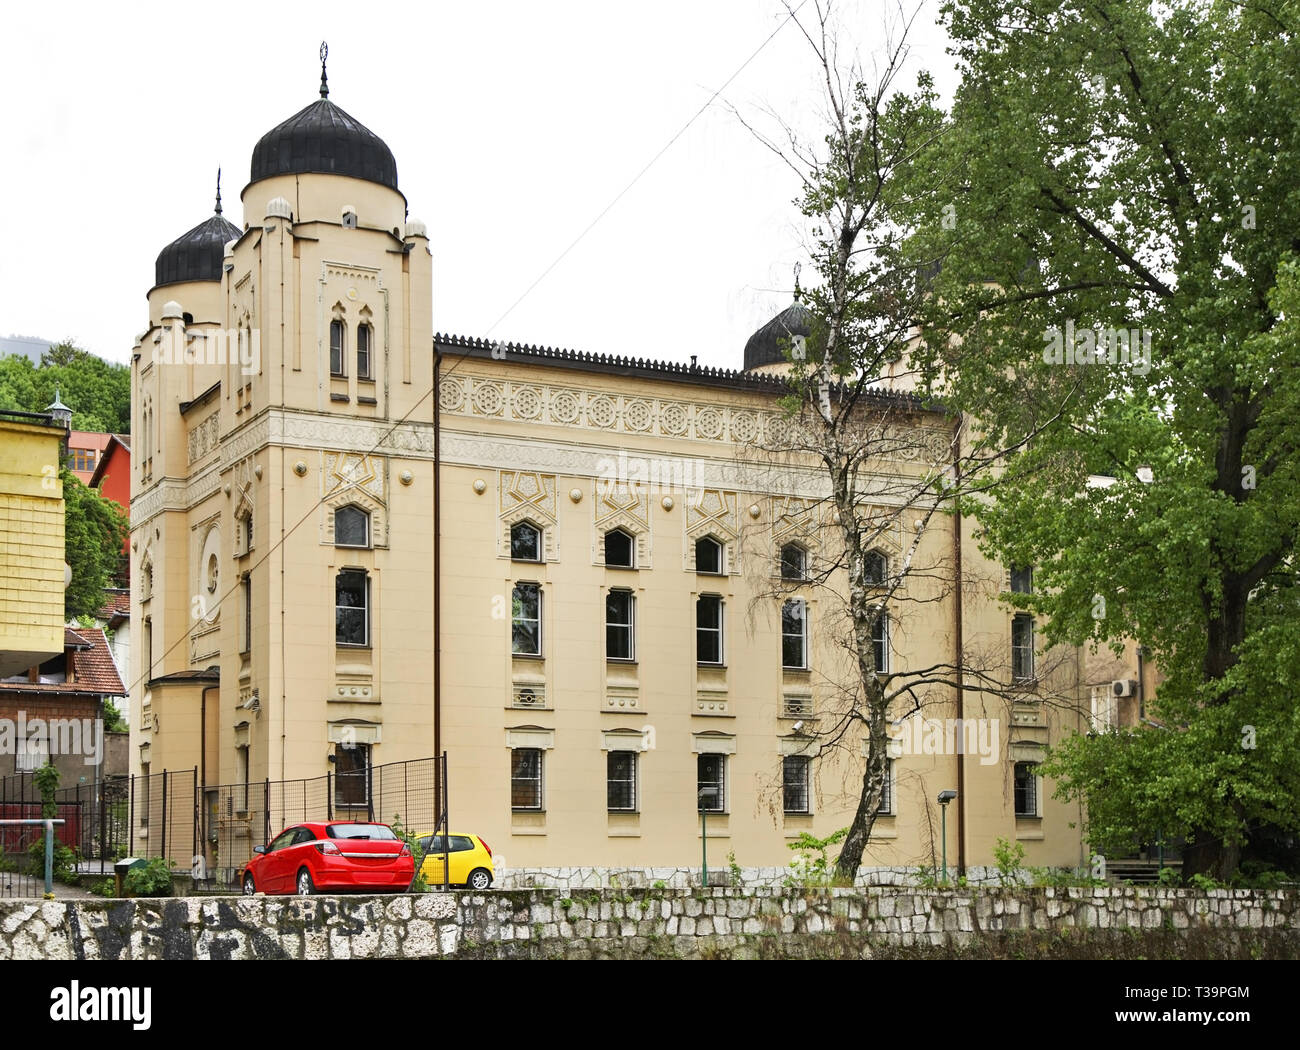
(797, 294)
(324, 85)
(218, 191)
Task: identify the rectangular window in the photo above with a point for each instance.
(1026, 789)
(352, 608)
(794, 635)
(1022, 580)
(241, 778)
(711, 783)
(1022, 648)
(620, 632)
(351, 774)
(708, 629)
(621, 780)
(526, 620)
(794, 783)
(886, 806)
(526, 778)
(880, 643)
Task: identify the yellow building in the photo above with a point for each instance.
(589, 591)
(31, 540)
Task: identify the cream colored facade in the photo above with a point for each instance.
(238, 670)
(31, 543)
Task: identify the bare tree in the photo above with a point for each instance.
(892, 467)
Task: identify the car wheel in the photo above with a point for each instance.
(305, 886)
(480, 879)
(249, 887)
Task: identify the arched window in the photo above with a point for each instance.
(525, 542)
(794, 562)
(876, 568)
(620, 549)
(365, 339)
(338, 339)
(708, 556)
(351, 527)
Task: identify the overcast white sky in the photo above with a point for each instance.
(513, 124)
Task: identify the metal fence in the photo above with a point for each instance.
(209, 832)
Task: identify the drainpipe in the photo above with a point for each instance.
(437, 571)
(1142, 695)
(959, 642)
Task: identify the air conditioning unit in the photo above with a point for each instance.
(1123, 687)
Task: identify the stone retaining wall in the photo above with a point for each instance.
(1128, 922)
(591, 878)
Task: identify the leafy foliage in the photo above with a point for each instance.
(151, 879)
(1122, 166)
(94, 532)
(97, 391)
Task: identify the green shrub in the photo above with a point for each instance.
(151, 879)
(1009, 859)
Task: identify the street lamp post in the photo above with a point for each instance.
(944, 798)
(705, 794)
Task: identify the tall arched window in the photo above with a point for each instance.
(338, 339)
(365, 340)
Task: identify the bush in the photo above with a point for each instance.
(152, 879)
(1010, 859)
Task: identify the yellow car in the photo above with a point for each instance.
(471, 861)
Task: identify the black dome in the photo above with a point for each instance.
(322, 138)
(770, 344)
(196, 255)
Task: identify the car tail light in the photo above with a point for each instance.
(487, 847)
(406, 849)
(328, 849)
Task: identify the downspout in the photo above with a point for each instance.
(437, 568)
(959, 642)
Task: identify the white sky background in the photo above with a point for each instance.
(513, 124)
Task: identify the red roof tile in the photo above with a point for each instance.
(95, 669)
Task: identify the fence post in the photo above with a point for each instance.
(165, 778)
(130, 814)
(266, 810)
(49, 858)
(329, 798)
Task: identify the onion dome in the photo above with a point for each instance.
(770, 345)
(196, 255)
(324, 139)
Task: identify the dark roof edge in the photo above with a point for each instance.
(205, 396)
(641, 368)
(208, 674)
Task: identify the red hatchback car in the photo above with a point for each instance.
(332, 855)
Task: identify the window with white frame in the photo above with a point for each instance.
(794, 562)
(1022, 648)
(526, 620)
(525, 542)
(338, 339)
(351, 527)
(886, 807)
(794, 635)
(365, 340)
(620, 625)
(351, 775)
(620, 549)
(709, 556)
(352, 608)
(620, 784)
(708, 629)
(880, 642)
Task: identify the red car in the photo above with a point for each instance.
(330, 855)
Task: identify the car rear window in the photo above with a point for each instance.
(375, 832)
(461, 842)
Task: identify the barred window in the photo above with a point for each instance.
(886, 806)
(1026, 780)
(711, 783)
(621, 780)
(794, 783)
(526, 778)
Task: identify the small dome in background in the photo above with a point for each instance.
(771, 343)
(196, 254)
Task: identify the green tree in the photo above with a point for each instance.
(97, 391)
(94, 532)
(1116, 166)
